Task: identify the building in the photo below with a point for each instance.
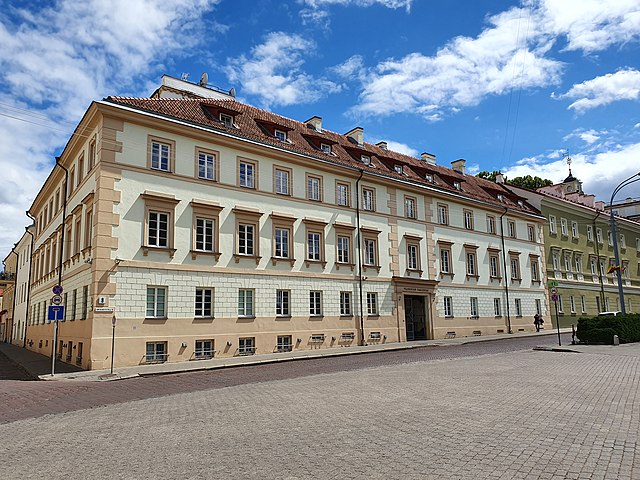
(22, 251)
(629, 208)
(7, 285)
(579, 251)
(202, 226)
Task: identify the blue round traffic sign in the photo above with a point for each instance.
(57, 289)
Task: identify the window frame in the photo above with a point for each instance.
(467, 216)
(346, 304)
(244, 216)
(201, 311)
(203, 210)
(277, 169)
(315, 303)
(367, 236)
(347, 196)
(171, 160)
(285, 223)
(369, 205)
(215, 169)
(447, 303)
(515, 274)
(159, 203)
(443, 214)
(372, 301)
(410, 207)
(344, 231)
(241, 161)
(445, 247)
(315, 227)
(312, 177)
(471, 260)
(155, 313)
(246, 303)
(491, 224)
(283, 303)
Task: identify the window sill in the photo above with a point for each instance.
(346, 265)
(316, 316)
(371, 267)
(473, 276)
(155, 318)
(246, 317)
(238, 256)
(414, 270)
(374, 316)
(350, 315)
(204, 317)
(147, 248)
(449, 316)
(308, 262)
(195, 253)
(446, 274)
(495, 278)
(283, 317)
(276, 260)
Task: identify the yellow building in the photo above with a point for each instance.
(205, 227)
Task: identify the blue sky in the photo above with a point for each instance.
(507, 85)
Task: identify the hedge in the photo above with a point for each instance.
(602, 329)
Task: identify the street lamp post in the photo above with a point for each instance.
(624, 183)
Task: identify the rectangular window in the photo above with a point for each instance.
(204, 234)
(491, 224)
(226, 120)
(245, 303)
(315, 303)
(342, 194)
(583, 304)
(325, 147)
(158, 229)
(77, 237)
(564, 228)
(247, 174)
(494, 266)
(314, 246)
(281, 242)
(85, 301)
(552, 224)
(366, 159)
(370, 252)
(497, 310)
(88, 228)
(445, 260)
(246, 346)
(473, 304)
(531, 233)
(160, 156)
(344, 249)
(535, 272)
(468, 219)
(345, 303)
(280, 135)
(372, 303)
(156, 302)
(314, 188)
(284, 343)
(412, 257)
(368, 199)
(282, 181)
(511, 229)
(246, 239)
(74, 305)
(590, 233)
(515, 268)
(204, 302)
(206, 166)
(471, 264)
(410, 207)
(560, 304)
(623, 241)
(204, 349)
(567, 262)
(555, 256)
(156, 352)
(282, 303)
(538, 306)
(574, 229)
(578, 260)
(448, 307)
(599, 235)
(572, 304)
(518, 304)
(92, 154)
(443, 214)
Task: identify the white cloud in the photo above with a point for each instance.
(603, 90)
(398, 147)
(593, 169)
(588, 136)
(54, 61)
(317, 11)
(591, 25)
(273, 72)
(463, 72)
(352, 68)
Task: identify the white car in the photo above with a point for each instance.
(609, 314)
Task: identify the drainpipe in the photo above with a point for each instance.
(31, 267)
(504, 266)
(15, 285)
(361, 339)
(597, 250)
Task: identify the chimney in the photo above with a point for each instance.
(316, 123)
(428, 157)
(458, 166)
(357, 134)
(382, 145)
(600, 205)
(500, 178)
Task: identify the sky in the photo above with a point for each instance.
(510, 85)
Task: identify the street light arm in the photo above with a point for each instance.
(623, 184)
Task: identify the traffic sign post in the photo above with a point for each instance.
(113, 340)
(55, 313)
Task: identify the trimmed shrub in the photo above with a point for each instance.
(602, 329)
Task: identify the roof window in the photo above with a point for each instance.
(429, 177)
(366, 159)
(501, 197)
(280, 135)
(226, 120)
(457, 186)
(398, 168)
(325, 147)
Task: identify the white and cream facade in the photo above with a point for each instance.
(207, 227)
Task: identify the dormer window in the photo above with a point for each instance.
(280, 135)
(226, 120)
(501, 197)
(429, 177)
(398, 168)
(520, 203)
(366, 159)
(326, 148)
(456, 185)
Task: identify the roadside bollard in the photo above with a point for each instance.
(573, 334)
(616, 340)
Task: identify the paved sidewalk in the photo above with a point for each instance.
(40, 366)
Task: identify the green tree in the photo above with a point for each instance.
(532, 183)
(488, 175)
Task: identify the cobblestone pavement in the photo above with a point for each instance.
(519, 414)
(10, 371)
(19, 400)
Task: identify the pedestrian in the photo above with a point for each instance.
(538, 321)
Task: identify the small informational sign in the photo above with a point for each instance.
(553, 283)
(55, 313)
(104, 309)
(56, 300)
(554, 297)
(554, 290)
(57, 289)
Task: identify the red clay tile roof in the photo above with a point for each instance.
(304, 139)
